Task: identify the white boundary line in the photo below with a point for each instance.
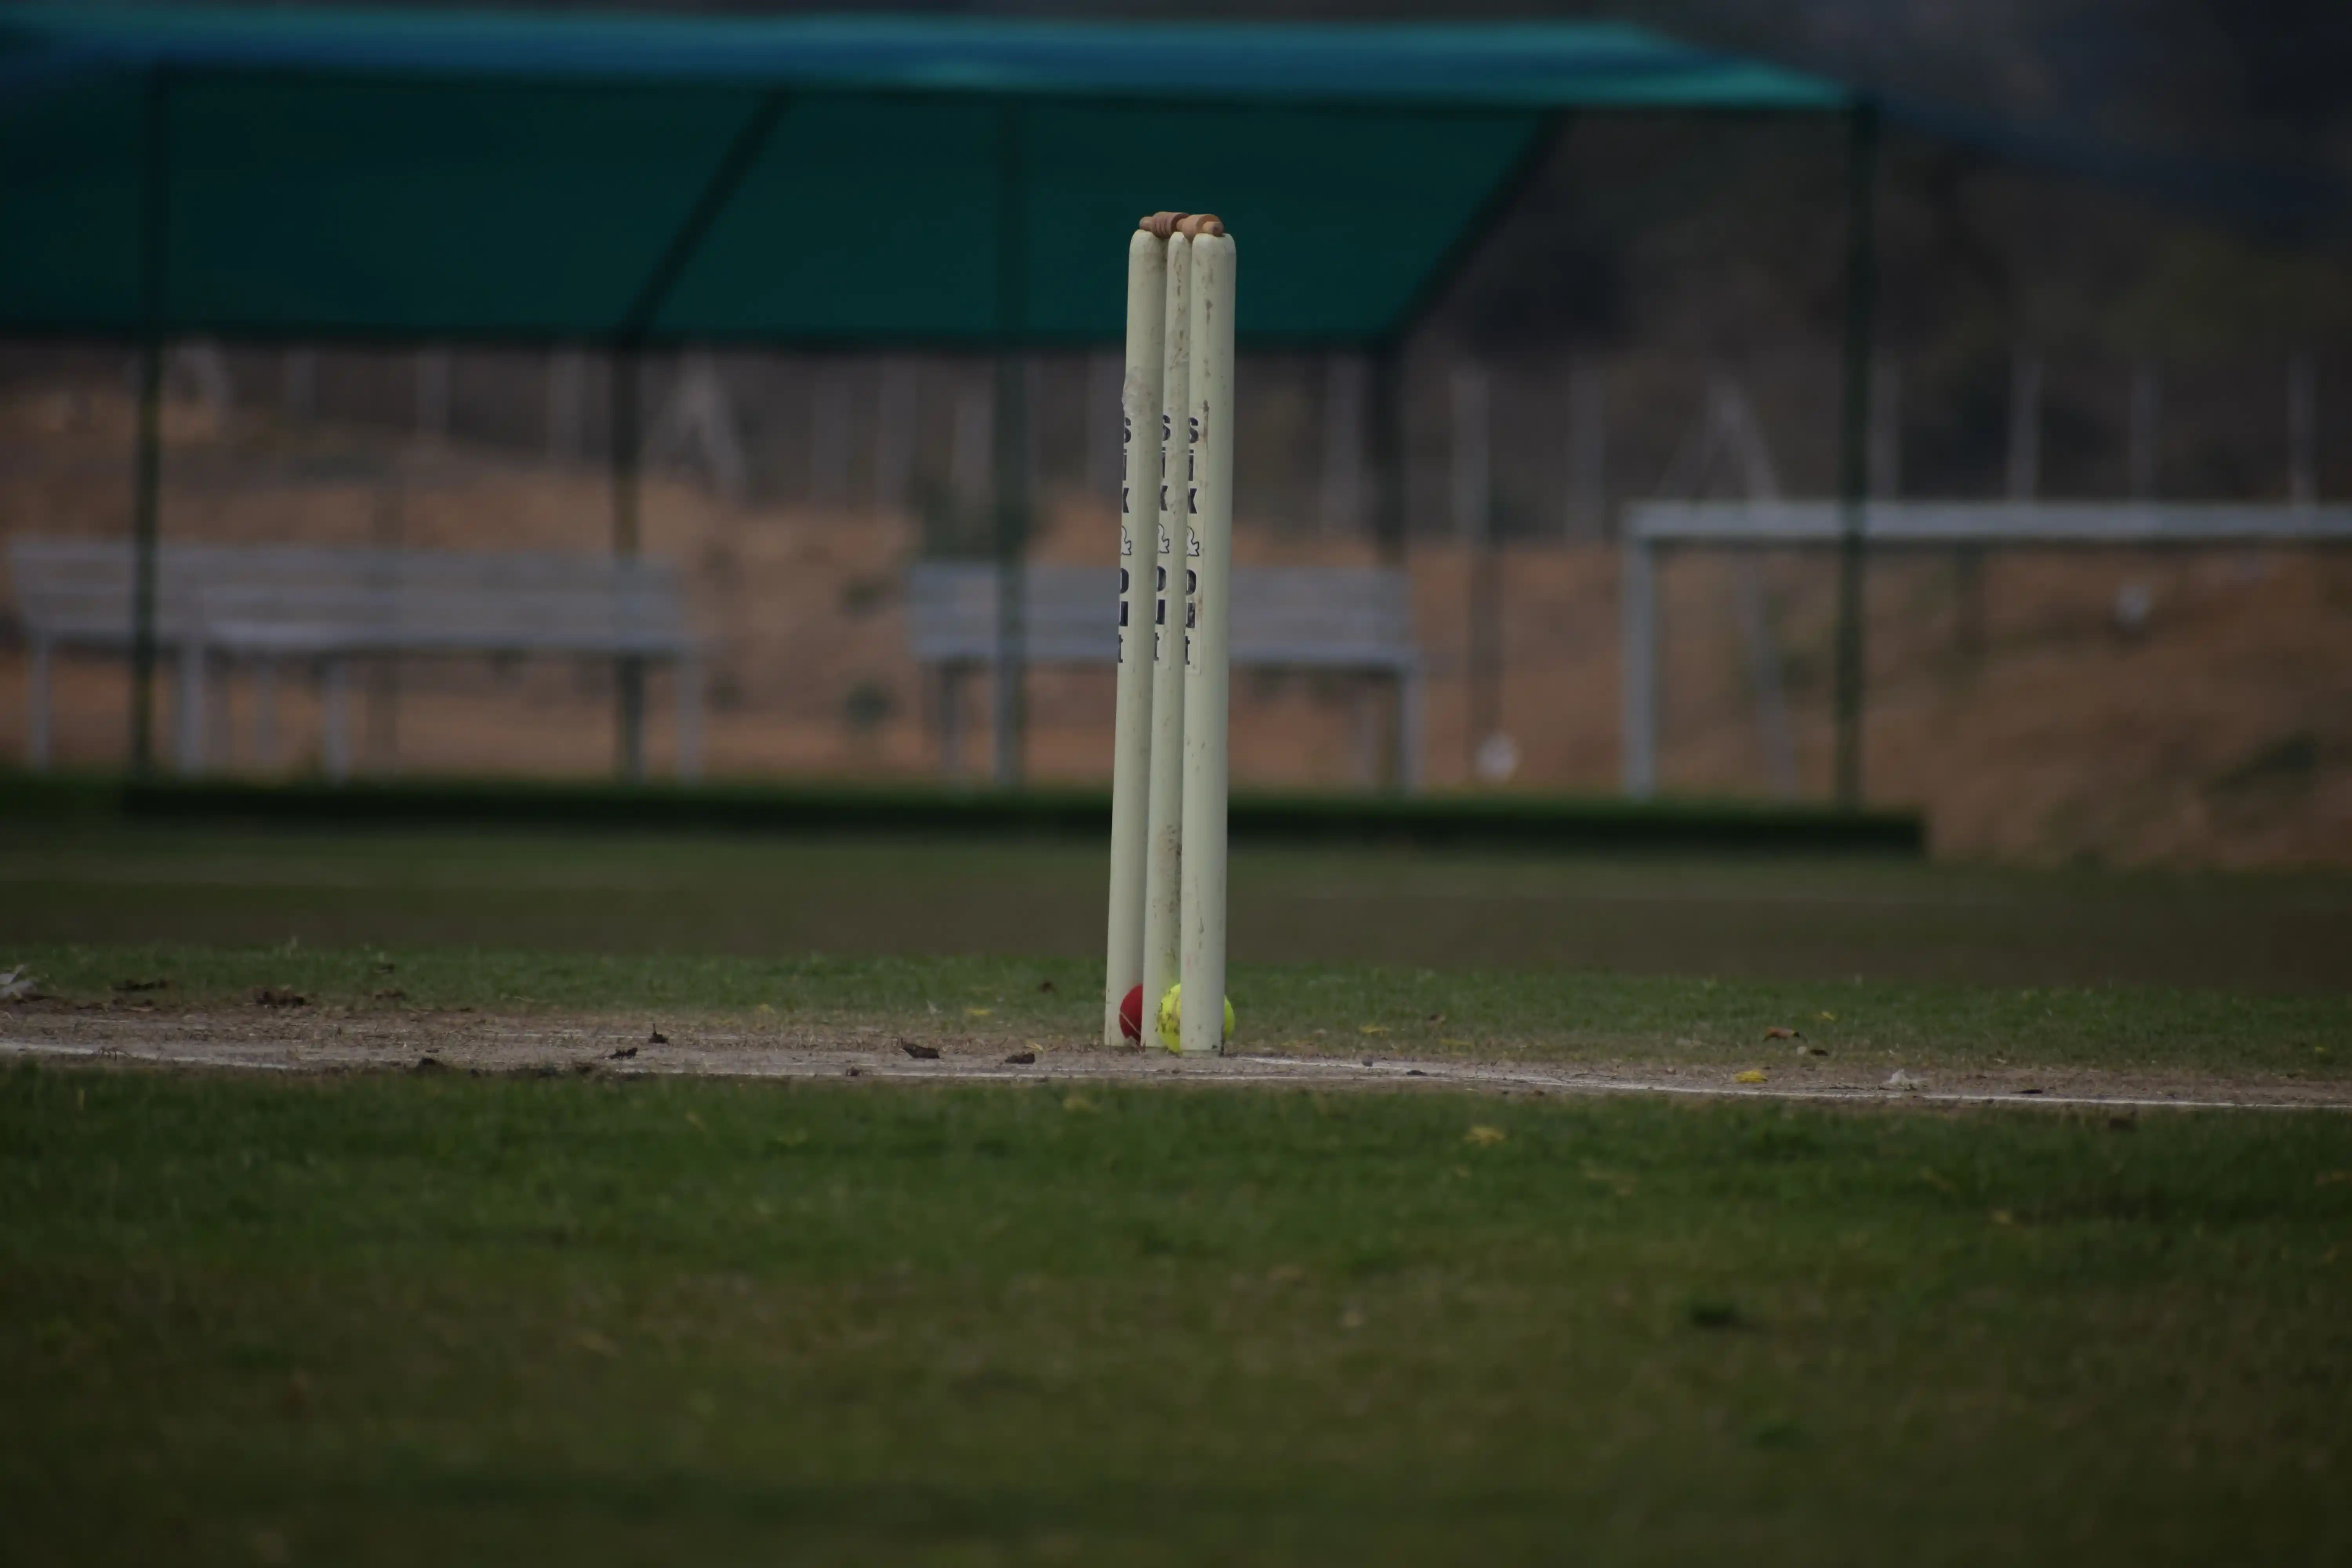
(1520, 1077)
(117, 1054)
(1264, 1070)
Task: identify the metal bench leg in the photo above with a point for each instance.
(36, 706)
(264, 714)
(335, 743)
(686, 673)
(220, 741)
(1364, 724)
(1409, 720)
(1638, 611)
(192, 708)
(950, 725)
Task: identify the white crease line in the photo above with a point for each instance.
(120, 1054)
(1861, 1095)
(1271, 1070)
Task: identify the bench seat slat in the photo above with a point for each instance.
(322, 600)
(1283, 616)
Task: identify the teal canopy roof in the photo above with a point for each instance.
(375, 175)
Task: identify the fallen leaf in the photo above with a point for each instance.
(1753, 1075)
(920, 1052)
(656, 1038)
(389, 995)
(696, 1122)
(18, 986)
(1437, 1017)
(596, 1343)
(2029, 1091)
(1021, 1058)
(627, 1053)
(1077, 1104)
(2002, 1216)
(129, 986)
(1826, 1018)
(978, 1012)
(1487, 1137)
(2331, 1178)
(1048, 987)
(1415, 1072)
(428, 1065)
(1777, 1033)
(278, 996)
(1372, 1029)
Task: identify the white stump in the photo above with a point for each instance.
(1131, 779)
(1162, 927)
(1209, 552)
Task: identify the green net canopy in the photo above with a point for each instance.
(399, 176)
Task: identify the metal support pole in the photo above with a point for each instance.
(189, 712)
(1637, 634)
(147, 496)
(1854, 441)
(952, 723)
(1389, 454)
(628, 672)
(1389, 518)
(1587, 446)
(38, 672)
(1486, 646)
(334, 721)
(1474, 523)
(1011, 507)
(145, 527)
(629, 337)
(685, 676)
(265, 715)
(2301, 431)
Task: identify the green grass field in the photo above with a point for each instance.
(393, 1319)
(1773, 917)
(386, 1318)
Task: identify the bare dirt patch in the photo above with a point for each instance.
(345, 1040)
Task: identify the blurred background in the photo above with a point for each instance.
(2112, 267)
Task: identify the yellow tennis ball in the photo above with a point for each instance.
(1171, 1017)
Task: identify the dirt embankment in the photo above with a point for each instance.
(2214, 726)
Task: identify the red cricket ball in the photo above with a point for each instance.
(1131, 1015)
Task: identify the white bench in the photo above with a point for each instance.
(323, 606)
(1347, 619)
